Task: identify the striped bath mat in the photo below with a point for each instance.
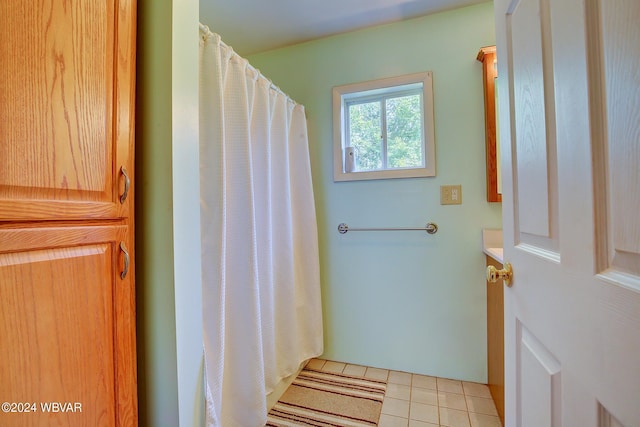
(326, 399)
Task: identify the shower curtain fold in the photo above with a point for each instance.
(261, 277)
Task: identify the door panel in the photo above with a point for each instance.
(607, 420)
(615, 61)
(74, 357)
(620, 62)
(58, 151)
(570, 112)
(534, 128)
(64, 308)
(540, 385)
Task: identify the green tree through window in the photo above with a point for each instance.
(395, 142)
(404, 132)
(365, 130)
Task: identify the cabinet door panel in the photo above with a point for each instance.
(66, 325)
(59, 140)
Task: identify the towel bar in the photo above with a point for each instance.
(430, 227)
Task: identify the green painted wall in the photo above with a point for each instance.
(402, 300)
(157, 376)
(169, 320)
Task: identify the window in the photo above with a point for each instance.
(384, 129)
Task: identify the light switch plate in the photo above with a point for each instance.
(451, 194)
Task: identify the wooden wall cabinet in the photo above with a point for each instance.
(487, 55)
(67, 323)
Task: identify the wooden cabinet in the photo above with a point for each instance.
(66, 114)
(495, 339)
(487, 55)
(67, 324)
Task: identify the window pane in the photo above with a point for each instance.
(404, 133)
(364, 135)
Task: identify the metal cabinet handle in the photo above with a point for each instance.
(127, 184)
(123, 248)
(506, 274)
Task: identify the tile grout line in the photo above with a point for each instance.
(411, 389)
(438, 400)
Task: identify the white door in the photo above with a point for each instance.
(570, 129)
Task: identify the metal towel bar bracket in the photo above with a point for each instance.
(430, 227)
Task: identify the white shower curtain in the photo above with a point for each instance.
(261, 280)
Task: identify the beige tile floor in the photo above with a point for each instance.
(414, 400)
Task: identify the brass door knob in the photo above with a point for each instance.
(506, 274)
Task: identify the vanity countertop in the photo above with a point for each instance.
(492, 244)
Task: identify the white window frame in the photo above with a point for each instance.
(378, 90)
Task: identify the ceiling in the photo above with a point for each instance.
(252, 26)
